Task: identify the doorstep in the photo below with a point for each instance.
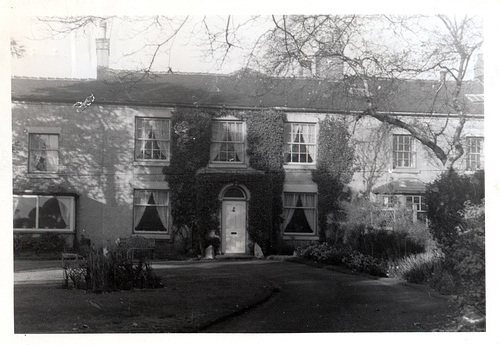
(235, 257)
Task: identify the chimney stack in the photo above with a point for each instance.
(102, 49)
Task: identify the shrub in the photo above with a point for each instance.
(445, 199)
(45, 243)
(418, 268)
(362, 231)
(467, 254)
(110, 270)
(334, 255)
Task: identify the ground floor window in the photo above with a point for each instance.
(151, 211)
(299, 213)
(416, 205)
(44, 212)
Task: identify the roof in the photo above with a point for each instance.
(403, 186)
(248, 90)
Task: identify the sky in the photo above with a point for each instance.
(73, 56)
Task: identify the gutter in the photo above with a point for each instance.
(241, 108)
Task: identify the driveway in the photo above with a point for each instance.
(237, 297)
(321, 300)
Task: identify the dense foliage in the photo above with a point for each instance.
(334, 168)
(189, 143)
(46, 243)
(325, 253)
(445, 199)
(194, 192)
(110, 269)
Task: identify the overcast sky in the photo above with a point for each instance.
(74, 56)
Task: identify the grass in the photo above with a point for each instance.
(187, 303)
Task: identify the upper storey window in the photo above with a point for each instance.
(474, 152)
(152, 139)
(228, 142)
(403, 151)
(43, 152)
(300, 143)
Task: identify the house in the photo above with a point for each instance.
(110, 158)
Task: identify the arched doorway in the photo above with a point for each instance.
(234, 220)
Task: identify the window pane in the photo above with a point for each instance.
(43, 155)
(50, 215)
(152, 139)
(24, 212)
(151, 211)
(300, 140)
(403, 151)
(299, 213)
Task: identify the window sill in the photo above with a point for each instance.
(298, 166)
(151, 163)
(227, 165)
(58, 231)
(301, 237)
(155, 235)
(406, 171)
(43, 175)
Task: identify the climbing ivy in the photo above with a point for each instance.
(195, 189)
(334, 167)
(194, 192)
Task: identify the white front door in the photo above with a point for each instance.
(234, 219)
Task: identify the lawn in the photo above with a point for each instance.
(187, 303)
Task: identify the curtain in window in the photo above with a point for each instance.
(65, 208)
(142, 199)
(52, 160)
(16, 202)
(290, 201)
(161, 198)
(217, 137)
(309, 203)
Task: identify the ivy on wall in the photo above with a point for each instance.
(194, 194)
(194, 190)
(334, 168)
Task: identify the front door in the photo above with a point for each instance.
(234, 218)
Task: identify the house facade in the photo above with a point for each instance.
(110, 158)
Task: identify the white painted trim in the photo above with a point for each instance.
(44, 130)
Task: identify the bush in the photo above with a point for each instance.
(39, 244)
(104, 270)
(418, 268)
(446, 198)
(467, 254)
(341, 256)
(362, 231)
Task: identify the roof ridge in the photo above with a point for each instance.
(51, 78)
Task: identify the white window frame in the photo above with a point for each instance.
(216, 142)
(315, 221)
(31, 151)
(140, 141)
(401, 154)
(474, 153)
(417, 206)
(71, 225)
(309, 145)
(168, 212)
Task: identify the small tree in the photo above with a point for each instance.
(445, 200)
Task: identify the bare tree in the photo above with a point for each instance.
(372, 155)
(366, 49)
(395, 49)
